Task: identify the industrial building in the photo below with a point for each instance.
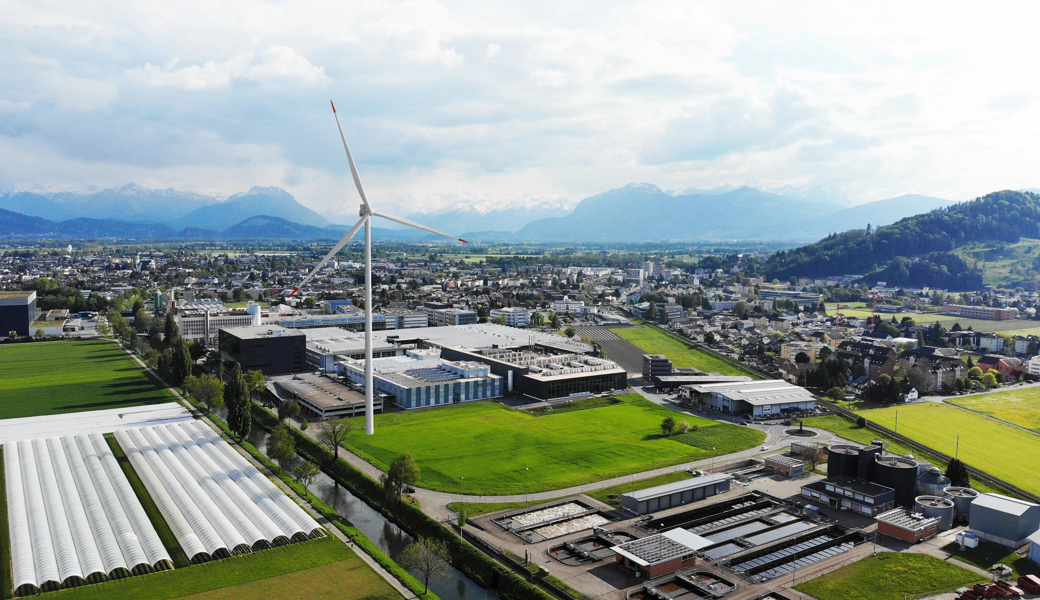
(1003, 520)
(17, 313)
(322, 396)
(491, 335)
(271, 349)
(200, 322)
(910, 527)
(402, 318)
(328, 345)
(422, 378)
(865, 480)
(545, 375)
(788, 466)
(758, 399)
(354, 319)
(661, 553)
(674, 494)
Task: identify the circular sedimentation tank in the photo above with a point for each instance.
(962, 498)
(936, 506)
(900, 474)
(932, 482)
(842, 460)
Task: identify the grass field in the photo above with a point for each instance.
(324, 568)
(1021, 406)
(486, 448)
(47, 378)
(889, 576)
(987, 555)
(655, 341)
(1012, 327)
(1000, 450)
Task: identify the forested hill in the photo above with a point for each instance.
(916, 250)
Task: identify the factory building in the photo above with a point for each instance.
(271, 349)
(907, 526)
(322, 397)
(201, 321)
(17, 313)
(421, 378)
(544, 375)
(492, 335)
(661, 553)
(1003, 520)
(768, 398)
(865, 480)
(674, 494)
(328, 345)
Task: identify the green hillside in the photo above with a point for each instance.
(1003, 264)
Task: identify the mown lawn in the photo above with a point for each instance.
(48, 378)
(1001, 450)
(485, 448)
(1021, 406)
(889, 576)
(655, 341)
(324, 568)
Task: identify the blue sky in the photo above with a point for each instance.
(493, 103)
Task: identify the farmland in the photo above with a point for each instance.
(47, 378)
(889, 576)
(1021, 406)
(938, 426)
(486, 448)
(655, 341)
(1016, 326)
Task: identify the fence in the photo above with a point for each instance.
(976, 473)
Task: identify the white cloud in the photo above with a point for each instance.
(492, 50)
(276, 62)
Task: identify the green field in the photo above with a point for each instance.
(889, 576)
(655, 341)
(486, 448)
(48, 378)
(1001, 450)
(324, 568)
(1012, 327)
(1021, 406)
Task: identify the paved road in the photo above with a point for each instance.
(1020, 386)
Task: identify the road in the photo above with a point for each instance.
(1019, 386)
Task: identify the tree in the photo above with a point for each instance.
(255, 382)
(429, 557)
(331, 434)
(668, 426)
(236, 397)
(40, 333)
(814, 455)
(281, 447)
(142, 321)
(403, 471)
(554, 320)
(182, 364)
(684, 427)
(740, 309)
(861, 422)
(103, 328)
(651, 312)
(288, 410)
(836, 393)
(569, 332)
(802, 358)
(306, 472)
(989, 379)
(12, 334)
(824, 352)
(170, 329)
(207, 389)
(461, 518)
(958, 473)
(498, 320)
(709, 339)
(975, 373)
(537, 319)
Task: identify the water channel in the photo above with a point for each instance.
(386, 535)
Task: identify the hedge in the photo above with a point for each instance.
(464, 556)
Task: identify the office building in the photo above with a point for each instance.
(200, 322)
(981, 312)
(655, 365)
(402, 318)
(421, 378)
(441, 317)
(514, 316)
(271, 349)
(568, 305)
(17, 312)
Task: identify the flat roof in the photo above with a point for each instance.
(320, 391)
(662, 547)
(758, 393)
(848, 483)
(789, 461)
(904, 519)
(487, 335)
(16, 294)
(678, 486)
(264, 331)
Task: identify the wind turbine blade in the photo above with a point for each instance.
(350, 159)
(404, 221)
(339, 246)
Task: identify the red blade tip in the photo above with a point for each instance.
(462, 240)
(333, 105)
(294, 291)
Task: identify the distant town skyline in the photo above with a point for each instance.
(494, 103)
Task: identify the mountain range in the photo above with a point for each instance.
(638, 212)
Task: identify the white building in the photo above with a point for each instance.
(759, 399)
(200, 322)
(514, 316)
(991, 343)
(1033, 366)
(568, 305)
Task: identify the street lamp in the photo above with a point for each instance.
(526, 488)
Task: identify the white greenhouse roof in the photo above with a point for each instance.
(100, 421)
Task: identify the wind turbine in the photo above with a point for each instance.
(366, 214)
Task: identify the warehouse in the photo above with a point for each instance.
(538, 374)
(216, 503)
(661, 553)
(73, 517)
(421, 378)
(787, 466)
(759, 399)
(322, 396)
(1003, 520)
(675, 494)
(491, 335)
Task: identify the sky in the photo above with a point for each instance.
(506, 103)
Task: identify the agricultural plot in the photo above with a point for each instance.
(1021, 407)
(655, 341)
(486, 448)
(999, 449)
(889, 576)
(1012, 327)
(48, 378)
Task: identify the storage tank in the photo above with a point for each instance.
(842, 460)
(962, 498)
(898, 473)
(936, 506)
(932, 482)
